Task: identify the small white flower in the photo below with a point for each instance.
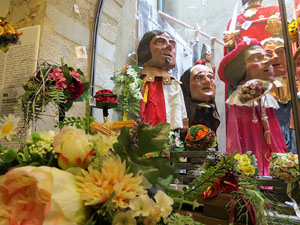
(164, 202)
(8, 125)
(142, 205)
(124, 219)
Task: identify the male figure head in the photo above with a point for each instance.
(202, 83)
(247, 61)
(157, 49)
(275, 47)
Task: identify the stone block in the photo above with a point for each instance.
(106, 49)
(108, 32)
(68, 28)
(120, 2)
(103, 71)
(113, 10)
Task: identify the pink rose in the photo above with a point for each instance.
(40, 195)
(59, 77)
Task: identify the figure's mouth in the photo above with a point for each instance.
(167, 54)
(206, 89)
(276, 65)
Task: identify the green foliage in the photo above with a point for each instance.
(79, 122)
(150, 139)
(179, 219)
(39, 152)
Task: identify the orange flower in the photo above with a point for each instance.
(97, 186)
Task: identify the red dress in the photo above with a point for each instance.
(243, 135)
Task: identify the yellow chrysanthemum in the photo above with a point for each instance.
(97, 186)
(8, 125)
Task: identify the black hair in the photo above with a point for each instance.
(143, 51)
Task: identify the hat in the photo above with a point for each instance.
(235, 60)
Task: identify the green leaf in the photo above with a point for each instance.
(36, 137)
(10, 156)
(150, 139)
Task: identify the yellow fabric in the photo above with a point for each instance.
(146, 94)
(282, 94)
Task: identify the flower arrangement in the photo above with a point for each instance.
(293, 29)
(128, 89)
(61, 85)
(284, 166)
(253, 89)
(175, 143)
(200, 137)
(8, 34)
(105, 95)
(80, 178)
(247, 164)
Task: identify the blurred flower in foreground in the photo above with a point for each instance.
(40, 195)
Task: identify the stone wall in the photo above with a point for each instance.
(62, 29)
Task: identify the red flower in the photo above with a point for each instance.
(76, 89)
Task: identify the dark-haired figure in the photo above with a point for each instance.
(199, 90)
(251, 127)
(162, 96)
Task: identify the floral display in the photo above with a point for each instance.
(175, 143)
(284, 166)
(128, 89)
(105, 95)
(8, 34)
(253, 89)
(247, 164)
(73, 177)
(61, 85)
(200, 137)
(293, 29)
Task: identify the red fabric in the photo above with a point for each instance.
(259, 21)
(243, 135)
(154, 110)
(232, 55)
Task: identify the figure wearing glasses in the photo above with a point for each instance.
(163, 100)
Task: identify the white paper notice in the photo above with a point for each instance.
(16, 66)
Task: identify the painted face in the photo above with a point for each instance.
(279, 60)
(163, 52)
(208, 57)
(202, 83)
(258, 65)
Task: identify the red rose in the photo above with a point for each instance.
(76, 89)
